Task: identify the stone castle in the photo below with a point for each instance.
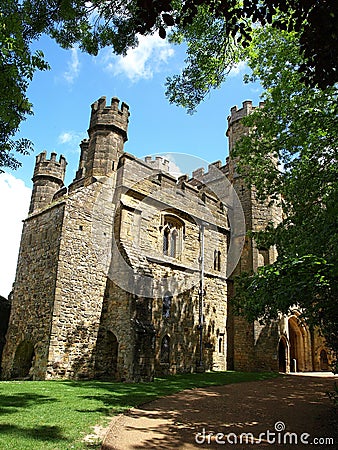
(127, 273)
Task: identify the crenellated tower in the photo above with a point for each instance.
(236, 128)
(249, 347)
(47, 179)
(107, 134)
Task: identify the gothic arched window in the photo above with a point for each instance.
(166, 306)
(165, 350)
(173, 243)
(172, 235)
(166, 233)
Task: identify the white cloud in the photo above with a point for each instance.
(65, 137)
(71, 138)
(14, 204)
(238, 69)
(73, 66)
(143, 61)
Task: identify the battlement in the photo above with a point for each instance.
(237, 114)
(214, 169)
(110, 116)
(50, 168)
(47, 180)
(159, 163)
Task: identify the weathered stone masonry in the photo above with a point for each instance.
(110, 268)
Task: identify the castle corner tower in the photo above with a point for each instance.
(107, 134)
(47, 179)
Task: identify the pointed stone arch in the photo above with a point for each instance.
(282, 351)
(24, 359)
(106, 364)
(324, 360)
(300, 354)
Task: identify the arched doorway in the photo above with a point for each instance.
(106, 355)
(282, 354)
(23, 360)
(112, 352)
(300, 346)
(324, 361)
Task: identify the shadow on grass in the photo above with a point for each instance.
(122, 396)
(40, 433)
(12, 403)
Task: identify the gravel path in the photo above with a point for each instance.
(217, 417)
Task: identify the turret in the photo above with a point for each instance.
(83, 158)
(236, 129)
(47, 180)
(107, 135)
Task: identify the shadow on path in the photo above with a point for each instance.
(286, 409)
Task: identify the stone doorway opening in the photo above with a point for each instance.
(300, 346)
(324, 361)
(23, 360)
(107, 355)
(282, 354)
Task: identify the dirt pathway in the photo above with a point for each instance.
(217, 417)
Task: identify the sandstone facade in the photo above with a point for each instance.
(126, 273)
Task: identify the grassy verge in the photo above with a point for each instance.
(56, 415)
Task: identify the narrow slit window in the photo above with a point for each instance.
(165, 350)
(166, 306)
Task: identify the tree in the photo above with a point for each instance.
(17, 66)
(118, 24)
(297, 127)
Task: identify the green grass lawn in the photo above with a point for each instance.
(58, 414)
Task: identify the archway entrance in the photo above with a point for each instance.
(300, 346)
(23, 360)
(282, 355)
(107, 354)
(324, 361)
(112, 348)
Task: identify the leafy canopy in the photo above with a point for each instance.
(116, 23)
(17, 66)
(297, 127)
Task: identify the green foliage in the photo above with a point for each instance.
(292, 146)
(42, 415)
(211, 54)
(17, 66)
(216, 32)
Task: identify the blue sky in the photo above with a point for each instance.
(61, 101)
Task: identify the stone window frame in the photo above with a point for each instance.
(172, 231)
(217, 260)
(166, 305)
(263, 257)
(220, 344)
(165, 349)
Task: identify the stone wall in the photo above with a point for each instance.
(85, 253)
(34, 291)
(5, 309)
(112, 281)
